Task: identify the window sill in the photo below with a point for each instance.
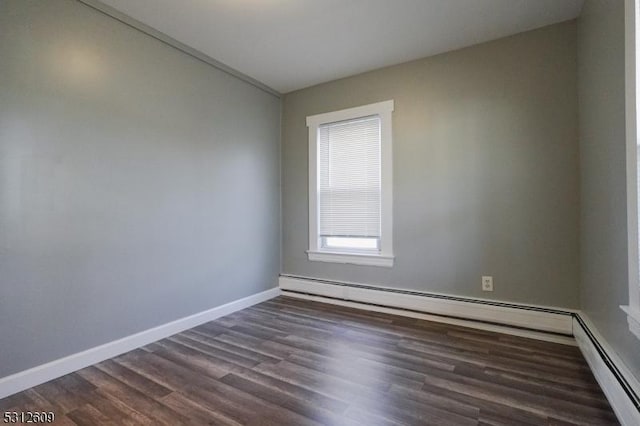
(633, 318)
(352, 258)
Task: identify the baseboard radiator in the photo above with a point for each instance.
(551, 324)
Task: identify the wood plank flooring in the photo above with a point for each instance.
(294, 362)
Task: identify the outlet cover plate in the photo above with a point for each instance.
(487, 283)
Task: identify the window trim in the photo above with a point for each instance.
(385, 256)
(631, 117)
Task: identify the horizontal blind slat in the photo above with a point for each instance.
(350, 178)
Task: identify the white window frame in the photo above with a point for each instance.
(631, 117)
(383, 257)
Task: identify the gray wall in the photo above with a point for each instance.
(138, 185)
(603, 222)
(485, 170)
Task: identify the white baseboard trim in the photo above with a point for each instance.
(618, 384)
(531, 318)
(18, 382)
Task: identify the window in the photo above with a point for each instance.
(350, 186)
(632, 84)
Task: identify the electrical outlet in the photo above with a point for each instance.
(487, 283)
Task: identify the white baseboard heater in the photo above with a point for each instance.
(539, 322)
(534, 318)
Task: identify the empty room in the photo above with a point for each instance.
(319, 212)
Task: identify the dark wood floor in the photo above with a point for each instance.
(293, 362)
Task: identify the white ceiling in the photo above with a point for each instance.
(291, 44)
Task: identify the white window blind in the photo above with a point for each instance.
(350, 179)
